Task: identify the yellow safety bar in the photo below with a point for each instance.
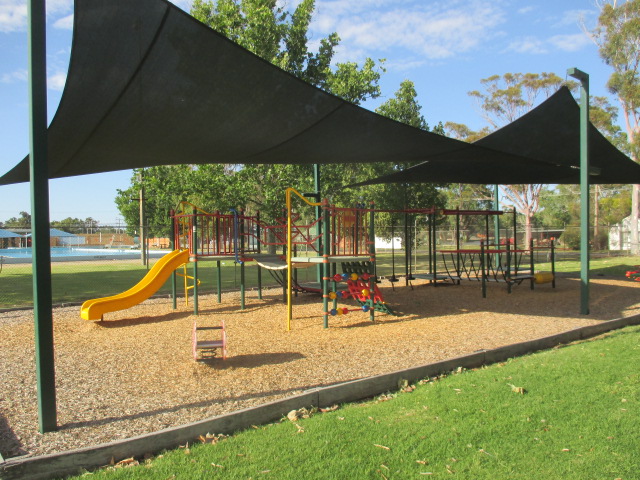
(289, 249)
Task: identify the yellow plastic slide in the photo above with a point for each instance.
(152, 281)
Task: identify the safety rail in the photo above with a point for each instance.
(238, 234)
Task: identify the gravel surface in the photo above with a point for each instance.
(134, 373)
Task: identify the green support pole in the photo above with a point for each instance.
(584, 187)
(325, 267)
(407, 254)
(458, 258)
(40, 235)
(372, 259)
(218, 268)
(258, 251)
(483, 277)
(553, 265)
(219, 280)
(194, 259)
(531, 263)
(172, 245)
(318, 211)
(496, 218)
(242, 272)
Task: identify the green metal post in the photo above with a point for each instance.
(483, 277)
(325, 267)
(258, 251)
(242, 272)
(318, 211)
(218, 268)
(496, 218)
(584, 187)
(40, 235)
(553, 264)
(531, 263)
(372, 259)
(194, 259)
(173, 246)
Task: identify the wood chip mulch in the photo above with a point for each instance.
(134, 373)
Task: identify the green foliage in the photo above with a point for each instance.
(22, 221)
(280, 37)
(511, 95)
(617, 35)
(75, 225)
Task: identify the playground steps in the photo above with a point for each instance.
(208, 348)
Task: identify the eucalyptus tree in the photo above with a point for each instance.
(504, 99)
(618, 36)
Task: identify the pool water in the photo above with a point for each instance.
(20, 255)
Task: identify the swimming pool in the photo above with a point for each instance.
(67, 254)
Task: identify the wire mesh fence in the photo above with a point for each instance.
(98, 262)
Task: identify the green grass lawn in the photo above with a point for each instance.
(566, 413)
(80, 281)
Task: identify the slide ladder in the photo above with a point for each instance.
(207, 342)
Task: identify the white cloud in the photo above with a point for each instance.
(433, 29)
(403, 65)
(64, 23)
(56, 81)
(573, 17)
(530, 45)
(13, 15)
(570, 43)
(526, 9)
(16, 76)
(537, 46)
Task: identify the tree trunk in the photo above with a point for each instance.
(527, 229)
(596, 219)
(634, 221)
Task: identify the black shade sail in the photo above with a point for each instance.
(548, 134)
(149, 85)
(551, 132)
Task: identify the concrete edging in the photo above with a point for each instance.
(73, 461)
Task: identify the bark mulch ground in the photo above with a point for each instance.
(133, 373)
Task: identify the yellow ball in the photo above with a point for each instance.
(333, 295)
(366, 292)
(354, 276)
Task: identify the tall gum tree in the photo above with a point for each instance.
(504, 99)
(617, 35)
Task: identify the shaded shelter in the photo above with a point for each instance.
(8, 234)
(150, 85)
(547, 135)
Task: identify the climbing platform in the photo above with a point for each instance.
(357, 287)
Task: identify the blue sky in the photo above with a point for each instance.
(444, 46)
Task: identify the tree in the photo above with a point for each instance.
(280, 37)
(404, 107)
(22, 221)
(505, 99)
(617, 35)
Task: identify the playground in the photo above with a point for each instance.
(135, 373)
